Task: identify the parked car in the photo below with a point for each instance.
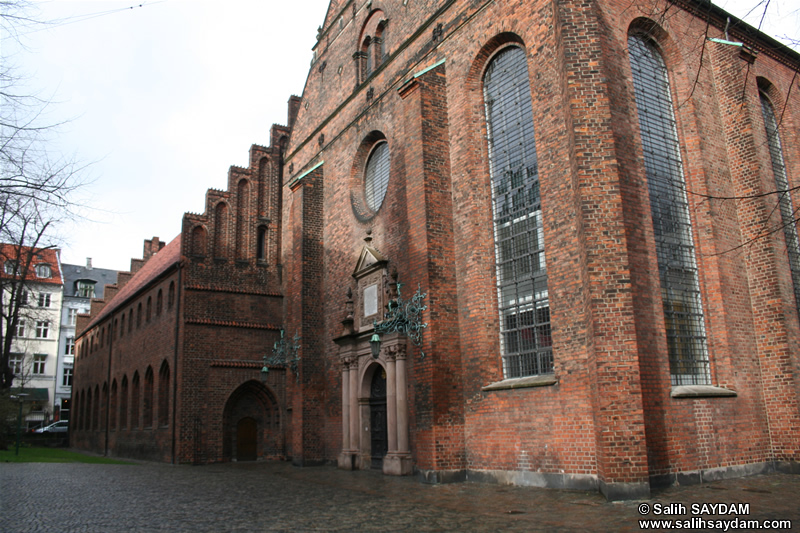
(61, 426)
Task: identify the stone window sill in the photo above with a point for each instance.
(544, 380)
(701, 391)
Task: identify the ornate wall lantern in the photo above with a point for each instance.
(284, 355)
(375, 345)
(403, 317)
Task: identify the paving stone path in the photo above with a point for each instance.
(245, 497)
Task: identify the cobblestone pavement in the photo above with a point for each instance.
(38, 497)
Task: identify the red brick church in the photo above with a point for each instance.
(545, 243)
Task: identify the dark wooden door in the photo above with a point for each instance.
(377, 411)
(246, 439)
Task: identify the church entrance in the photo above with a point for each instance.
(247, 439)
(252, 424)
(377, 410)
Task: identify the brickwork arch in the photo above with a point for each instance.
(256, 401)
(242, 219)
(221, 230)
(199, 241)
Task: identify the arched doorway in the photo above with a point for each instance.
(379, 441)
(251, 421)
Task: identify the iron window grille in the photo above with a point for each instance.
(788, 213)
(525, 339)
(672, 226)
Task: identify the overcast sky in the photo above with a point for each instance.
(164, 98)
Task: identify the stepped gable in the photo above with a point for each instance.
(156, 264)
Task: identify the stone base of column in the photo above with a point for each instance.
(347, 460)
(397, 464)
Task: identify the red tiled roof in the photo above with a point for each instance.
(151, 270)
(44, 256)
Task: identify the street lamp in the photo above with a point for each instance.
(20, 398)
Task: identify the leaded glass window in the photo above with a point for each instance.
(376, 176)
(672, 226)
(523, 298)
(788, 213)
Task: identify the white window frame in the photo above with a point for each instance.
(42, 329)
(45, 299)
(39, 364)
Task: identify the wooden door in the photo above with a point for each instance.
(247, 439)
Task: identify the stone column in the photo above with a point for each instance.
(346, 456)
(355, 442)
(391, 403)
(398, 459)
(402, 403)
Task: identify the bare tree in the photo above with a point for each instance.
(36, 187)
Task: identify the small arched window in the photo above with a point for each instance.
(149, 312)
(261, 243)
(159, 302)
(171, 295)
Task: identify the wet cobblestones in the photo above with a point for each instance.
(244, 497)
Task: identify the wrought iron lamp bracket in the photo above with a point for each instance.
(405, 317)
(284, 355)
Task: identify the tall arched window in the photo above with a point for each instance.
(112, 406)
(147, 409)
(123, 403)
(519, 239)
(672, 226)
(87, 416)
(163, 395)
(96, 408)
(171, 295)
(135, 397)
(788, 215)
